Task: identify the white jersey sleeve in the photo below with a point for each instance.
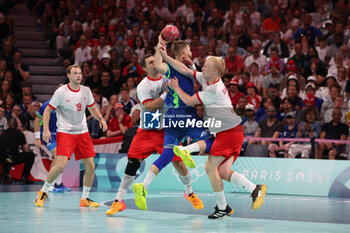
(198, 76)
(56, 98)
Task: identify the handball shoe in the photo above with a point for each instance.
(219, 214)
(195, 201)
(60, 188)
(88, 202)
(40, 198)
(258, 196)
(116, 207)
(185, 156)
(140, 196)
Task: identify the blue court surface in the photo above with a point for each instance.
(168, 212)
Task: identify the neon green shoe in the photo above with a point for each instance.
(185, 156)
(140, 196)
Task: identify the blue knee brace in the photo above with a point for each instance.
(209, 142)
(164, 159)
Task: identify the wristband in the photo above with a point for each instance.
(163, 96)
(193, 67)
(37, 135)
(101, 118)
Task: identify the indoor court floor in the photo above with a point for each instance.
(168, 211)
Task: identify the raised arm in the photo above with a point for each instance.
(181, 68)
(158, 60)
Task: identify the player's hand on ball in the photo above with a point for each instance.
(46, 136)
(174, 83)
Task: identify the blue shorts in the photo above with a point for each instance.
(52, 144)
(173, 137)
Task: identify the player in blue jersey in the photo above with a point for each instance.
(51, 146)
(178, 112)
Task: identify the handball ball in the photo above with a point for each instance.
(170, 33)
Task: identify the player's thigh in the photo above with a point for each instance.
(214, 161)
(61, 161)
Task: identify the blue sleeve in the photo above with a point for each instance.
(42, 109)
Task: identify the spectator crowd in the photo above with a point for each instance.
(287, 63)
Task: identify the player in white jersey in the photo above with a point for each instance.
(151, 92)
(229, 136)
(70, 102)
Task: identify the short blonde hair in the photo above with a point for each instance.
(219, 64)
(178, 46)
(71, 67)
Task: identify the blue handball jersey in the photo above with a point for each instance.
(172, 99)
(53, 118)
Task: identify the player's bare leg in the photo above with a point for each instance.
(53, 173)
(185, 178)
(87, 183)
(222, 209)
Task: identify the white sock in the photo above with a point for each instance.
(46, 187)
(239, 179)
(148, 180)
(124, 185)
(192, 148)
(86, 191)
(220, 200)
(186, 180)
(58, 180)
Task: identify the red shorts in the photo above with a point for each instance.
(79, 144)
(228, 143)
(146, 142)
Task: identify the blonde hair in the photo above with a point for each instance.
(178, 46)
(219, 64)
(71, 67)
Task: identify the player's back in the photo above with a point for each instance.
(187, 85)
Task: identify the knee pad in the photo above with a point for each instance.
(164, 159)
(132, 167)
(209, 142)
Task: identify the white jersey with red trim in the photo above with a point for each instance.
(70, 108)
(148, 90)
(217, 104)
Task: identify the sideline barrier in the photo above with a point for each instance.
(296, 140)
(108, 145)
(282, 176)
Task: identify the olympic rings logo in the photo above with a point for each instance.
(196, 172)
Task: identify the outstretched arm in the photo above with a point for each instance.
(181, 68)
(187, 99)
(159, 65)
